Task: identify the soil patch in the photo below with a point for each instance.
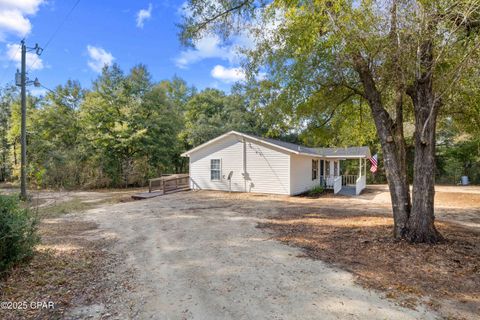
(73, 267)
(444, 276)
(67, 270)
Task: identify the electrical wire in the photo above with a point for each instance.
(54, 34)
(60, 25)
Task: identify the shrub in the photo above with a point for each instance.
(315, 191)
(18, 233)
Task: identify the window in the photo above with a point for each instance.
(314, 169)
(215, 169)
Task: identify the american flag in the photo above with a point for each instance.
(374, 162)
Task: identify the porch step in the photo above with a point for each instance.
(347, 191)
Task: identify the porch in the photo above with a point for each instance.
(331, 176)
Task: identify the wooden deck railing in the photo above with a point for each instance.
(168, 183)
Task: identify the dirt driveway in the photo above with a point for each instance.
(199, 255)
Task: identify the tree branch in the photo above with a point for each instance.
(335, 108)
(207, 21)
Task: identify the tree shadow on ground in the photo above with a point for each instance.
(363, 244)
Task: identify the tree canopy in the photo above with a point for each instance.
(408, 60)
(400, 76)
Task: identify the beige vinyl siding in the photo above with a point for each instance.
(301, 174)
(268, 169)
(229, 150)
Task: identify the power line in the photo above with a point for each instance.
(61, 25)
(54, 34)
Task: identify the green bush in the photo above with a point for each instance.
(18, 233)
(316, 191)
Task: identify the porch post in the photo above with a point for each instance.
(365, 167)
(359, 167)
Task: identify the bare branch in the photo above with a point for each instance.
(198, 27)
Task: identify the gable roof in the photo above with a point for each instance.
(352, 152)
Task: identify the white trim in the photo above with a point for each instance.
(187, 153)
(346, 157)
(219, 169)
(261, 141)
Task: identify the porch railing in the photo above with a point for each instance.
(328, 182)
(361, 183)
(349, 180)
(337, 184)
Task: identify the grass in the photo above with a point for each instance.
(315, 191)
(64, 207)
(74, 205)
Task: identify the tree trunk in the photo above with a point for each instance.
(421, 227)
(399, 136)
(393, 147)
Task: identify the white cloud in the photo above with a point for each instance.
(38, 92)
(33, 61)
(144, 15)
(99, 58)
(13, 16)
(210, 47)
(228, 75)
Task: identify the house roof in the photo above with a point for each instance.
(294, 148)
(350, 152)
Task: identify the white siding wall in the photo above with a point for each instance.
(301, 174)
(229, 150)
(268, 169)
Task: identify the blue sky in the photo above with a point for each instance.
(108, 31)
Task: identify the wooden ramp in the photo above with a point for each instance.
(165, 184)
(146, 195)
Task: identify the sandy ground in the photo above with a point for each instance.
(458, 204)
(199, 255)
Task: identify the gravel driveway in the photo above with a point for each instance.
(199, 255)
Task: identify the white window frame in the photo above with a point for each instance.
(219, 170)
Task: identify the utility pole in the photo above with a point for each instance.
(23, 133)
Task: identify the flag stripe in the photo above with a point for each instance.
(374, 162)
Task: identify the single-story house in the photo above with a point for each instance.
(242, 162)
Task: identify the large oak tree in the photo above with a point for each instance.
(403, 57)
